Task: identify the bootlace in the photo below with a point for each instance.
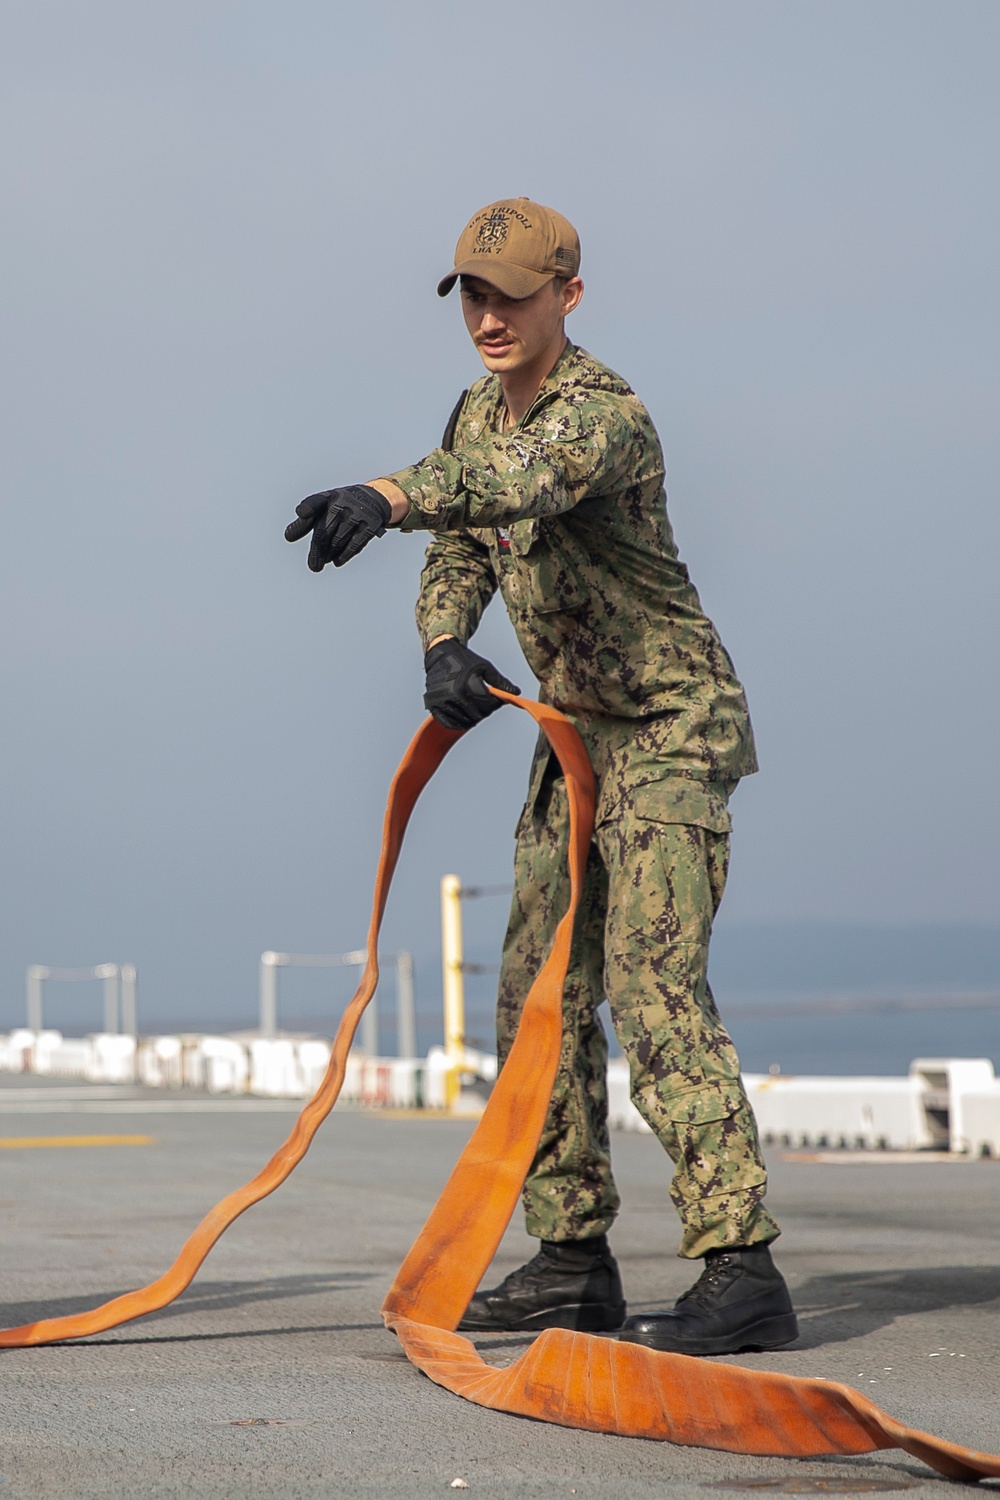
(540, 1262)
(717, 1272)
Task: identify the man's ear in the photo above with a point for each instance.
(571, 291)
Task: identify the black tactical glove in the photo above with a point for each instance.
(341, 521)
(456, 694)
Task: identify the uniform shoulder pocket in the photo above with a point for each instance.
(678, 800)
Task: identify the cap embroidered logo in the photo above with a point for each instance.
(492, 231)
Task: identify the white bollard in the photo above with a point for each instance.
(406, 1084)
(20, 1050)
(161, 1062)
(225, 1065)
(313, 1058)
(353, 1078)
(273, 1071)
(111, 1059)
(45, 1045)
(192, 1060)
(436, 1079)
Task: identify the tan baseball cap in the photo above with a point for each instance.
(515, 245)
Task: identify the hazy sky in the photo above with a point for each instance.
(223, 223)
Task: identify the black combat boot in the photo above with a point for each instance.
(575, 1284)
(740, 1301)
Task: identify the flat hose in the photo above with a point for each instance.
(574, 1379)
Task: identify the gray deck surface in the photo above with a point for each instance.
(895, 1269)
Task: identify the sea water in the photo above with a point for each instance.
(880, 1043)
(868, 1040)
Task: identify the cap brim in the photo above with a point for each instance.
(514, 281)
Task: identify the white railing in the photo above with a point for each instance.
(271, 962)
(119, 994)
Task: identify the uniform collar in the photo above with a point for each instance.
(549, 387)
(557, 374)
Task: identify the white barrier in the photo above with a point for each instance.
(273, 1068)
(223, 1064)
(946, 1082)
(622, 1113)
(927, 1110)
(392, 1083)
(981, 1120)
(862, 1113)
(383, 1085)
(865, 1112)
(63, 1057)
(44, 1048)
(294, 1068)
(16, 1051)
(436, 1085)
(314, 1058)
(943, 1104)
(101, 1058)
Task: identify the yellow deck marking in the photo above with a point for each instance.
(14, 1142)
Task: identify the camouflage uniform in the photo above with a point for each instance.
(565, 514)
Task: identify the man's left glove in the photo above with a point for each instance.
(341, 521)
(456, 694)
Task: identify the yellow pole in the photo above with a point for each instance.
(454, 985)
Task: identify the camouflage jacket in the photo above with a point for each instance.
(565, 514)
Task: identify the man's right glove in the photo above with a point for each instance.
(341, 521)
(456, 694)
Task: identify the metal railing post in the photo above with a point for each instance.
(453, 980)
(109, 973)
(369, 1027)
(270, 962)
(33, 980)
(130, 1014)
(406, 1025)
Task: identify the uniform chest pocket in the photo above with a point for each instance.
(549, 576)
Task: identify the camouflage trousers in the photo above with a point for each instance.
(654, 880)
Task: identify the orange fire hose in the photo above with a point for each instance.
(576, 1379)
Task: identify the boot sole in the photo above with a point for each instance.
(769, 1333)
(579, 1317)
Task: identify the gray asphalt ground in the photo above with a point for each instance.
(274, 1377)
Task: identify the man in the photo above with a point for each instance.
(549, 488)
